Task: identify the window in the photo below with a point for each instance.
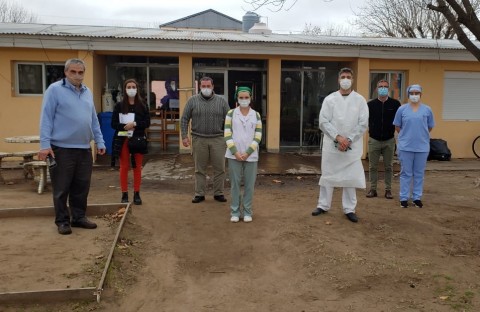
(34, 78)
(151, 73)
(395, 80)
(460, 96)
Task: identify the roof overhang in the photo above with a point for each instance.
(261, 49)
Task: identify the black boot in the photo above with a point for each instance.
(136, 198)
(124, 197)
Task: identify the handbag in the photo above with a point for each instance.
(137, 144)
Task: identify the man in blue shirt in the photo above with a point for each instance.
(68, 123)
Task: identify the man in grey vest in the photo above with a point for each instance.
(207, 113)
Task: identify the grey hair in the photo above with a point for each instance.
(74, 61)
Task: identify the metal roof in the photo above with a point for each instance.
(114, 32)
(208, 19)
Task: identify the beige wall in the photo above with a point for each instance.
(362, 77)
(273, 104)
(430, 74)
(20, 115)
(186, 88)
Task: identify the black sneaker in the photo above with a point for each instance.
(198, 199)
(352, 217)
(418, 203)
(220, 198)
(404, 204)
(318, 211)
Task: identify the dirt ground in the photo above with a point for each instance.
(179, 256)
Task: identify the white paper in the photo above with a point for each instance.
(126, 118)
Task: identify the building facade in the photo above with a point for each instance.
(290, 75)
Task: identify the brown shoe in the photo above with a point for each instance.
(388, 194)
(372, 193)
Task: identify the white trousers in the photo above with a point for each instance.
(349, 198)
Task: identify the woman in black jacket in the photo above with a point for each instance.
(130, 119)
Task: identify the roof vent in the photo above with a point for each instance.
(260, 28)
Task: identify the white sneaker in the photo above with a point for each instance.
(247, 219)
(234, 219)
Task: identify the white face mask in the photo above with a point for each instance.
(244, 102)
(345, 84)
(415, 98)
(206, 91)
(172, 85)
(131, 92)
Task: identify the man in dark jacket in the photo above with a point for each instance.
(381, 139)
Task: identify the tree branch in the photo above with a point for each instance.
(462, 37)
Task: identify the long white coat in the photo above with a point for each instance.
(346, 116)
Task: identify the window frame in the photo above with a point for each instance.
(459, 101)
(373, 95)
(43, 65)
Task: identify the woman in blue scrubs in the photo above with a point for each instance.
(413, 122)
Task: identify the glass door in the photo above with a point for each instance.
(291, 109)
(313, 95)
(303, 92)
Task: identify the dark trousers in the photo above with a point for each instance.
(71, 180)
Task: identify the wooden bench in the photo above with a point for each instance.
(39, 169)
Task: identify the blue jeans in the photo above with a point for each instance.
(71, 181)
(237, 170)
(412, 166)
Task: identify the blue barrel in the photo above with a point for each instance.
(105, 120)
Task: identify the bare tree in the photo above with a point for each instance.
(444, 19)
(329, 30)
(277, 4)
(10, 12)
(403, 18)
(460, 15)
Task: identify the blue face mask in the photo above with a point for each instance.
(382, 91)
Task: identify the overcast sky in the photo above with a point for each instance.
(147, 13)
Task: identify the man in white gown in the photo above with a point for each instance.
(343, 120)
